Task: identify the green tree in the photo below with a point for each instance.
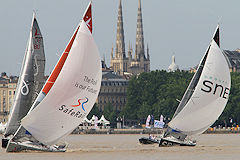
(232, 109)
(95, 111)
(110, 114)
(155, 93)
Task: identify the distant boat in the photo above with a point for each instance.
(66, 98)
(150, 139)
(30, 81)
(204, 99)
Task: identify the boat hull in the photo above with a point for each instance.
(26, 146)
(171, 141)
(5, 142)
(145, 140)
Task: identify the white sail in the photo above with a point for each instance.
(73, 94)
(148, 121)
(209, 97)
(87, 17)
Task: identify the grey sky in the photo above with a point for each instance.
(180, 27)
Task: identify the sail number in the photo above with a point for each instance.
(215, 89)
(37, 43)
(36, 46)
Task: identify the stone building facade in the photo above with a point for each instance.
(113, 91)
(122, 64)
(7, 92)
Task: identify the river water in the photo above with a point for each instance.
(127, 147)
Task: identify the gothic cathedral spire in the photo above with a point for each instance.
(139, 52)
(122, 64)
(120, 44)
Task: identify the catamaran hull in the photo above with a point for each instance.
(26, 146)
(169, 141)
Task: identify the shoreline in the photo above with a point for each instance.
(150, 131)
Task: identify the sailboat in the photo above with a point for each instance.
(204, 99)
(66, 98)
(30, 81)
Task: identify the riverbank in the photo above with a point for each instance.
(151, 131)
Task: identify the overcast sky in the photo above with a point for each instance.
(180, 27)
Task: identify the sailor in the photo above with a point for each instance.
(150, 136)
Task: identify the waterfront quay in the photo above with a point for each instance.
(151, 131)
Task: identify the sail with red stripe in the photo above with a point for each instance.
(73, 94)
(52, 78)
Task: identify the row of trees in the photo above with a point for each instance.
(157, 93)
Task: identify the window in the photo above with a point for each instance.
(10, 101)
(4, 104)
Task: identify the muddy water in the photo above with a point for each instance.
(124, 147)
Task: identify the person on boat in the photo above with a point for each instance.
(150, 136)
(153, 137)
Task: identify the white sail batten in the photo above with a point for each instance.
(209, 97)
(73, 94)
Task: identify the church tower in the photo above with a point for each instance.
(120, 44)
(139, 50)
(120, 63)
(142, 63)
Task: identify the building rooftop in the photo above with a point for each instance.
(233, 58)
